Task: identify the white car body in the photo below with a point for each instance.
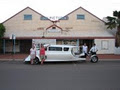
(60, 53)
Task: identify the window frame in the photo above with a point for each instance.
(80, 17)
(43, 18)
(66, 49)
(64, 18)
(55, 48)
(27, 16)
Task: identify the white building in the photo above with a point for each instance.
(76, 28)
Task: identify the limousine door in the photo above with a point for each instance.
(59, 54)
(54, 53)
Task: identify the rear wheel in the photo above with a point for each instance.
(94, 59)
(36, 60)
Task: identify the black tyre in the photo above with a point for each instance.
(27, 62)
(94, 59)
(36, 60)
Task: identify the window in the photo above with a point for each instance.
(27, 17)
(105, 45)
(53, 27)
(55, 48)
(66, 49)
(80, 16)
(64, 18)
(43, 18)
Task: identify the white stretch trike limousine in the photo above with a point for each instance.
(55, 53)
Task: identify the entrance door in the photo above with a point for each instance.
(89, 42)
(25, 46)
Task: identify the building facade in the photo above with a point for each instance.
(76, 28)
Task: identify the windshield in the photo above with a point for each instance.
(74, 50)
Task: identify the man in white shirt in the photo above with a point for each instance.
(85, 49)
(93, 50)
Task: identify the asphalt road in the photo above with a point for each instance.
(104, 75)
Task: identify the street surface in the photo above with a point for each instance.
(104, 75)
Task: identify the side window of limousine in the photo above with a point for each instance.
(55, 48)
(66, 48)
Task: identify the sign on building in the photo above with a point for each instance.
(43, 41)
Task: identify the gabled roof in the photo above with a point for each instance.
(22, 11)
(84, 10)
(51, 20)
(54, 25)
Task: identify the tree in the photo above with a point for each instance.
(114, 22)
(2, 31)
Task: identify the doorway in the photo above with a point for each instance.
(89, 42)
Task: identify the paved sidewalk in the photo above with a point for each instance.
(10, 57)
(21, 57)
(109, 57)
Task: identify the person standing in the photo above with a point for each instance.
(32, 53)
(85, 49)
(93, 50)
(42, 54)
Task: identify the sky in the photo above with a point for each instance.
(58, 8)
